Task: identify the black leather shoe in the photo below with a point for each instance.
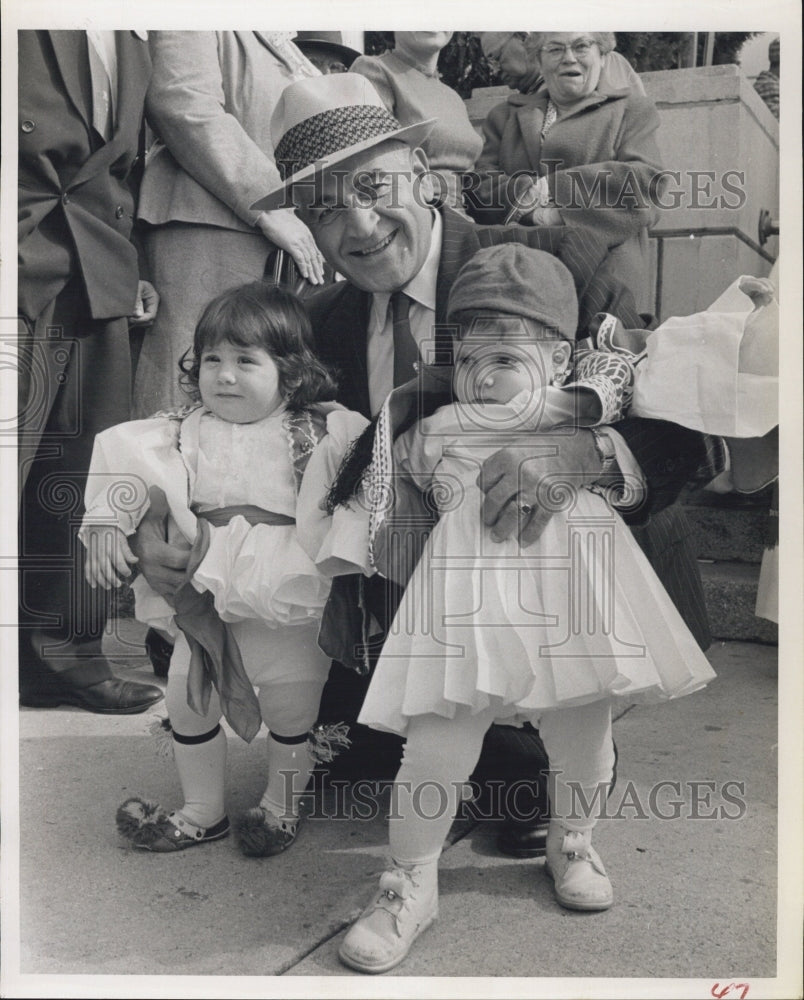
(109, 697)
(159, 652)
(524, 840)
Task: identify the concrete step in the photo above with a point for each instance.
(730, 589)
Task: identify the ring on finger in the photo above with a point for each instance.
(525, 509)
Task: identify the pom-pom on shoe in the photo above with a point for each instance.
(261, 834)
(405, 906)
(581, 882)
(150, 828)
(137, 820)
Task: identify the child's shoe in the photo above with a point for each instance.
(150, 828)
(580, 879)
(261, 834)
(405, 905)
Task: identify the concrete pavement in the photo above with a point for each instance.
(695, 895)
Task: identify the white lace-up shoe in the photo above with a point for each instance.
(580, 879)
(404, 906)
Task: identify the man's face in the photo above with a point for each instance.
(369, 216)
(325, 60)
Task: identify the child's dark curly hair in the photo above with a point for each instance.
(262, 315)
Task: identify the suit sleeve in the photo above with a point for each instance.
(670, 457)
(186, 107)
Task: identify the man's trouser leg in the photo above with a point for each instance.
(75, 381)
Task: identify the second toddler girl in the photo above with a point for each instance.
(246, 622)
(490, 632)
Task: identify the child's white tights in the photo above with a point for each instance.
(440, 754)
(199, 747)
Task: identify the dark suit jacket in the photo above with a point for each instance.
(76, 208)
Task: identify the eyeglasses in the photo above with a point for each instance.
(580, 48)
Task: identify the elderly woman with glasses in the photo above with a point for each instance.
(578, 151)
(507, 56)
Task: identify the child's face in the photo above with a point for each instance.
(238, 384)
(501, 357)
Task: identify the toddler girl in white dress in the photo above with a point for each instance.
(488, 631)
(246, 621)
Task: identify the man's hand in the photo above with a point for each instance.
(108, 555)
(289, 233)
(525, 485)
(163, 565)
(146, 305)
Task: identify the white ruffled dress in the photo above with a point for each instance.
(258, 574)
(578, 616)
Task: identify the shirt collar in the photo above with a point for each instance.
(421, 287)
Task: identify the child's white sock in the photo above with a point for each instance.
(289, 768)
(201, 763)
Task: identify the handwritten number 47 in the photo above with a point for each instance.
(720, 994)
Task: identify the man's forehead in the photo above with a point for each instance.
(351, 173)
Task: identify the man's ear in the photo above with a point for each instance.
(422, 175)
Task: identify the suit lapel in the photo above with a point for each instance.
(133, 74)
(134, 66)
(458, 243)
(70, 51)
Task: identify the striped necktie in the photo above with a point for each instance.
(406, 352)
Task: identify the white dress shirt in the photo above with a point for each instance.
(103, 73)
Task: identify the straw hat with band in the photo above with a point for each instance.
(323, 121)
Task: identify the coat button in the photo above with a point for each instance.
(28, 125)
(118, 212)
